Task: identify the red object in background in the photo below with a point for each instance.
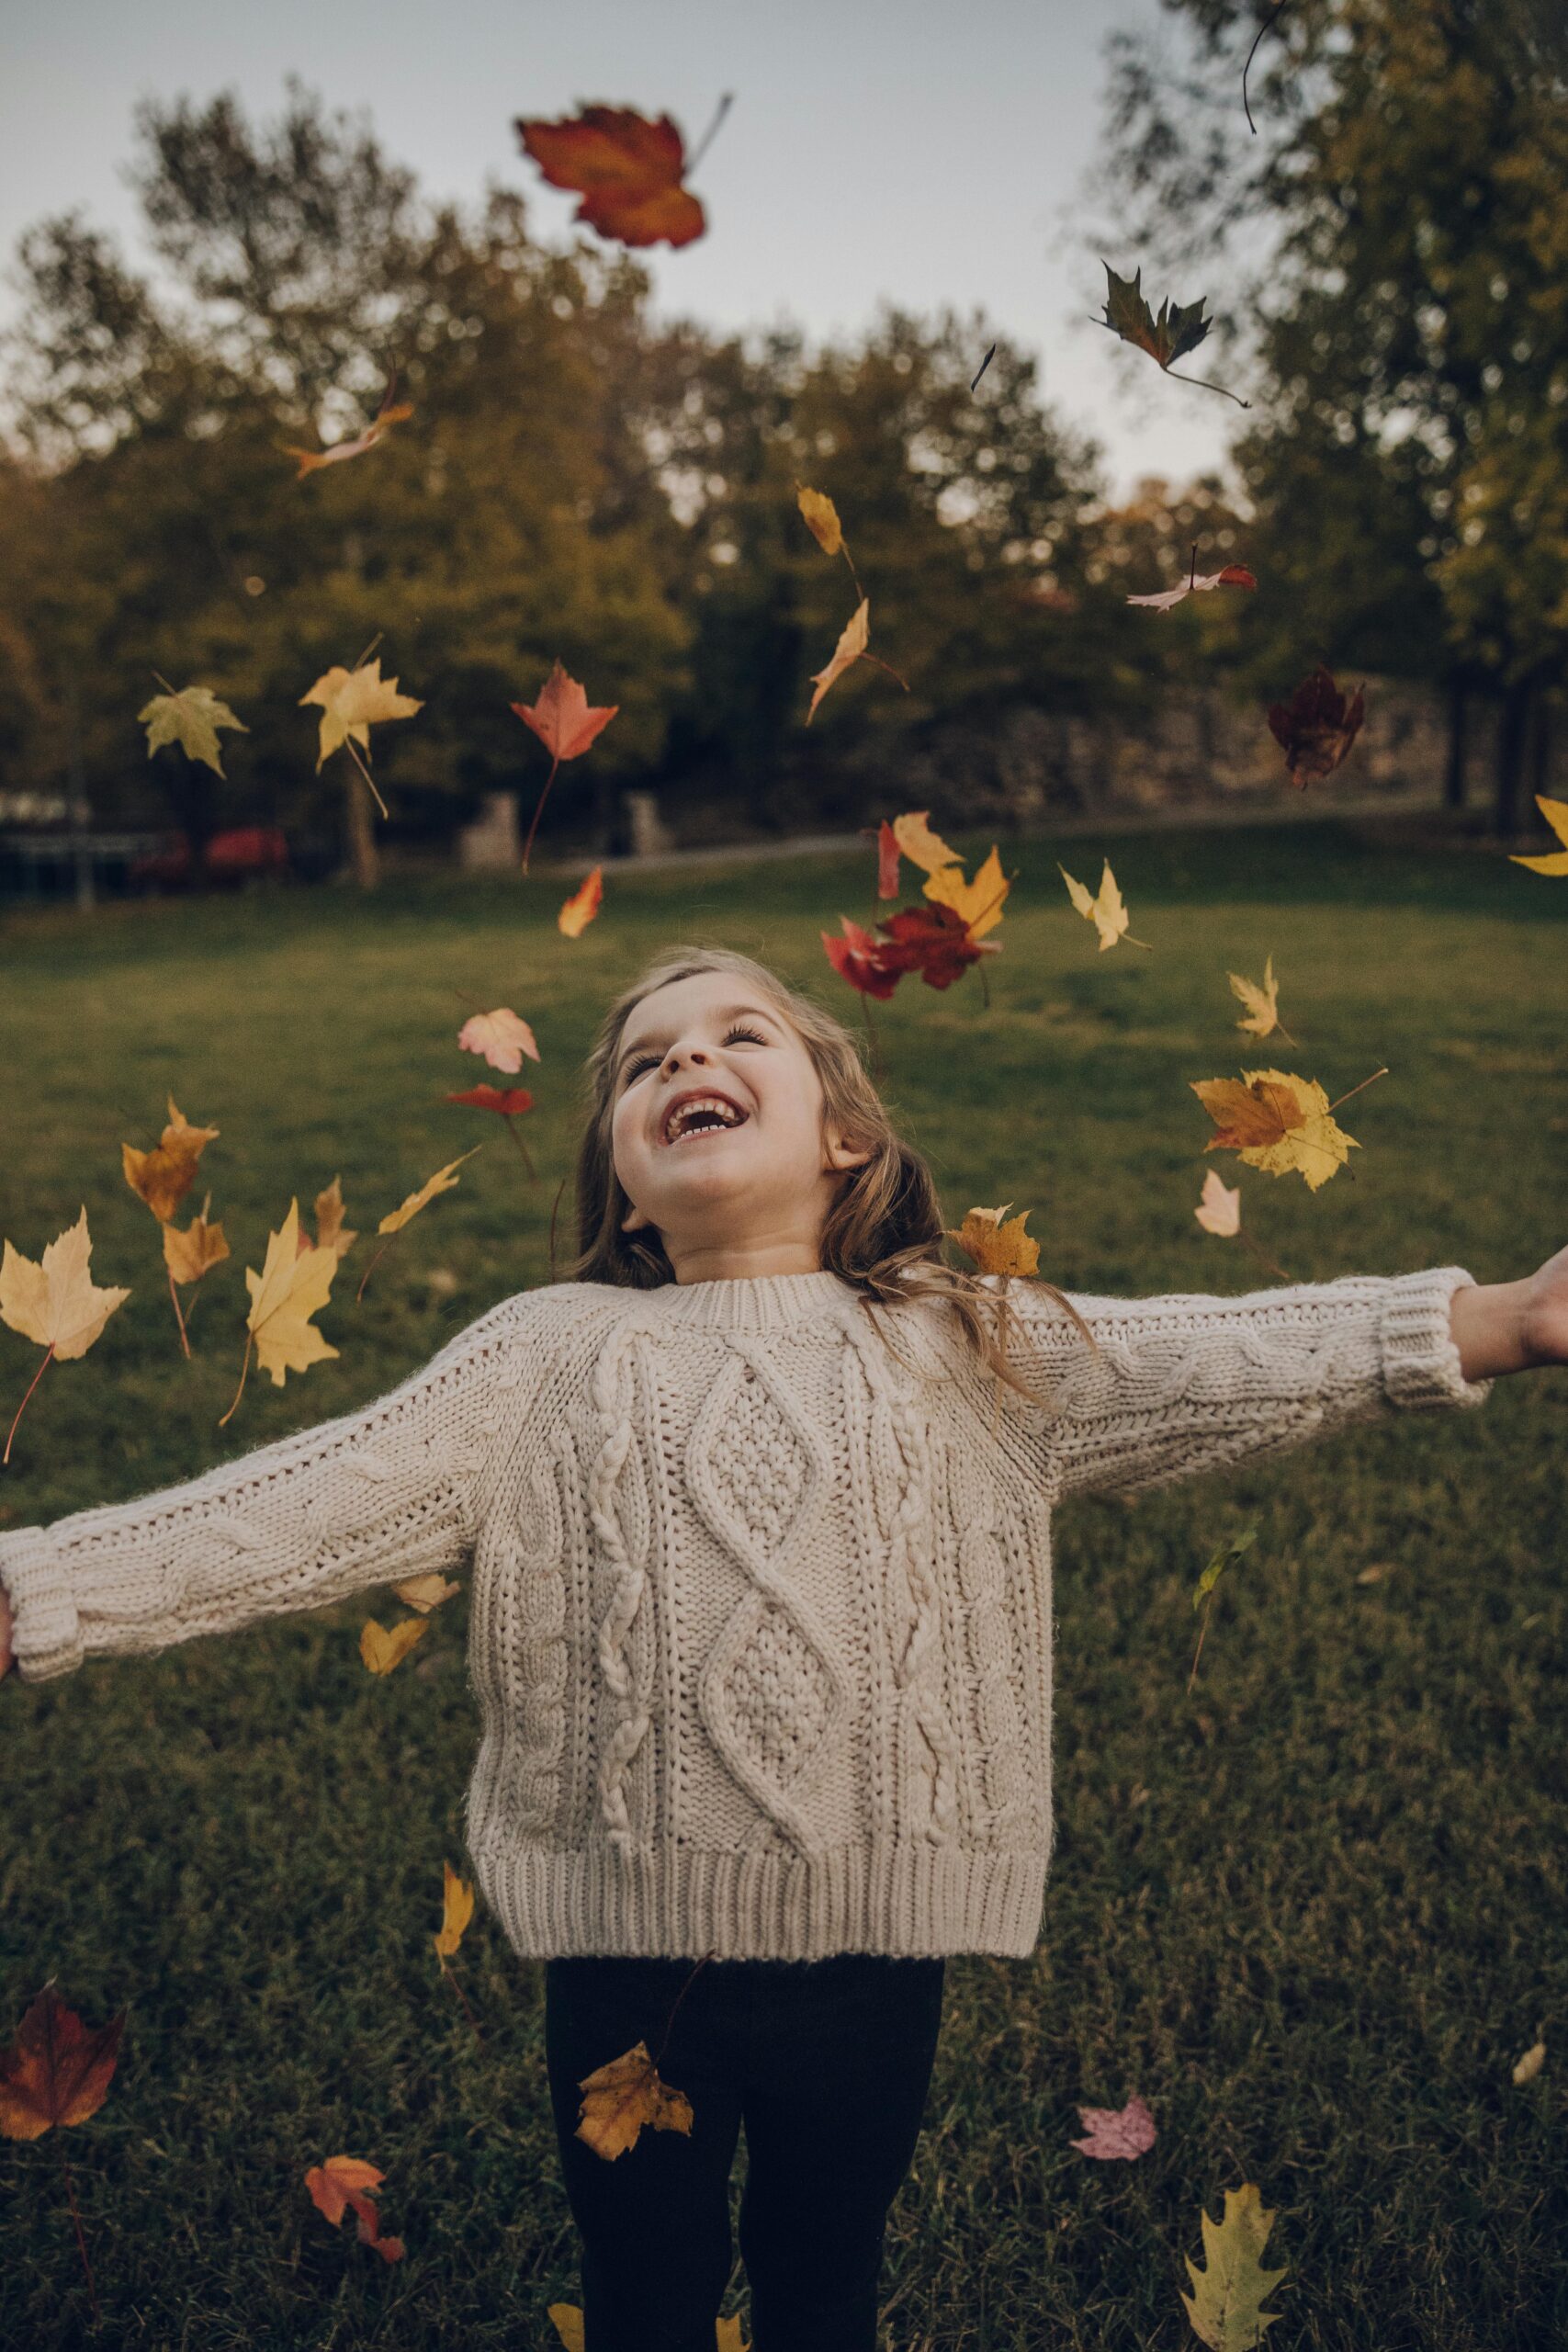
(231, 857)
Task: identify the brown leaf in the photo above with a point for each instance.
(57, 2071)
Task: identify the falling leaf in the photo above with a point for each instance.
(1219, 1211)
(887, 861)
(353, 701)
(1227, 2312)
(57, 2071)
(978, 903)
(55, 1303)
(920, 846)
(1105, 909)
(1317, 728)
(331, 1231)
(382, 1649)
(193, 1253)
(1554, 861)
(1262, 1003)
(340, 2183)
(442, 1181)
(1531, 2065)
(1116, 2131)
(456, 1910)
(582, 906)
(385, 416)
(1179, 328)
(1235, 575)
(821, 518)
(851, 646)
(499, 1037)
(190, 718)
(289, 1289)
(1277, 1123)
(163, 1176)
(858, 958)
(565, 724)
(623, 2096)
(425, 1593)
(934, 940)
(997, 1248)
(1224, 1557)
(509, 1100)
(626, 169)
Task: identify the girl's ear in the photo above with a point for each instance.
(836, 1156)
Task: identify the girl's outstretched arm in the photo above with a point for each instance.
(1187, 1382)
(388, 1492)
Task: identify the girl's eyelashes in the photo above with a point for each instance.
(639, 1062)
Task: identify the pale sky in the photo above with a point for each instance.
(929, 153)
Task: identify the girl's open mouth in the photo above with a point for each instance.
(701, 1114)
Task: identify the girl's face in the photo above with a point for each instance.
(717, 1131)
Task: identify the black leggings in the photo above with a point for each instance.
(826, 2063)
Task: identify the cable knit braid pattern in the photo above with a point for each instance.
(760, 1611)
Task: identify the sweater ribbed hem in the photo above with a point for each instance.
(46, 1633)
(918, 1901)
(1420, 1360)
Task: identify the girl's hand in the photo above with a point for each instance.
(5, 1631)
(1543, 1331)
(1512, 1327)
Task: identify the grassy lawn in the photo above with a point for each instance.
(1313, 1911)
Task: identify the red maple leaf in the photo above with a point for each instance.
(858, 957)
(565, 725)
(1317, 725)
(934, 941)
(626, 169)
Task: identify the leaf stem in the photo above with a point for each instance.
(984, 365)
(179, 1318)
(1356, 1089)
(554, 1206)
(512, 1129)
(1204, 386)
(31, 1386)
(165, 684)
(1267, 26)
(451, 1978)
(705, 141)
(679, 1998)
(244, 1367)
(353, 750)
(374, 1264)
(540, 810)
(885, 665)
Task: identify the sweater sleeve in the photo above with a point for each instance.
(1187, 1382)
(375, 1496)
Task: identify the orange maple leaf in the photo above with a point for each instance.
(57, 2071)
(565, 725)
(342, 2182)
(626, 169)
(582, 906)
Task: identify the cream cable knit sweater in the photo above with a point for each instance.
(762, 1622)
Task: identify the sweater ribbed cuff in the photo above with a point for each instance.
(46, 1633)
(1420, 1358)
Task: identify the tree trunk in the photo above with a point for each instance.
(1541, 748)
(364, 860)
(1456, 770)
(1512, 733)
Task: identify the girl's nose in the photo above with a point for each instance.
(678, 1054)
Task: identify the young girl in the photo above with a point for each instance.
(757, 1509)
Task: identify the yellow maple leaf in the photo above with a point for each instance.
(195, 1252)
(56, 1302)
(442, 1181)
(980, 901)
(997, 1248)
(425, 1593)
(918, 843)
(1219, 1210)
(821, 519)
(163, 1176)
(1105, 909)
(568, 2320)
(621, 2097)
(190, 718)
(331, 1231)
(289, 1289)
(1277, 1123)
(851, 644)
(456, 1910)
(1555, 860)
(353, 701)
(381, 1650)
(1263, 1017)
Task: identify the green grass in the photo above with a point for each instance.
(1313, 1912)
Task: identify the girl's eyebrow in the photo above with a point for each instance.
(725, 1012)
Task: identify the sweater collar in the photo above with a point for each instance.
(750, 1302)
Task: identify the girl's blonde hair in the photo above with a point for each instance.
(884, 1233)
